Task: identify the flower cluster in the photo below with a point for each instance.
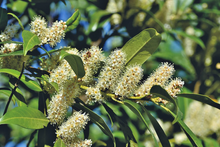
(51, 35)
(70, 129)
(94, 95)
(8, 33)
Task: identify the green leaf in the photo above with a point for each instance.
(30, 40)
(26, 117)
(19, 6)
(98, 143)
(29, 83)
(3, 19)
(53, 84)
(141, 47)
(194, 38)
(59, 143)
(132, 144)
(131, 106)
(191, 136)
(8, 93)
(95, 18)
(22, 27)
(159, 91)
(73, 21)
(19, 97)
(75, 62)
(123, 126)
(97, 120)
(210, 142)
(201, 98)
(160, 133)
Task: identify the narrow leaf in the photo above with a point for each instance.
(160, 133)
(194, 38)
(141, 46)
(59, 143)
(19, 97)
(97, 120)
(73, 21)
(30, 40)
(8, 93)
(29, 83)
(123, 126)
(201, 98)
(22, 27)
(140, 116)
(26, 117)
(159, 91)
(3, 19)
(73, 18)
(75, 62)
(191, 136)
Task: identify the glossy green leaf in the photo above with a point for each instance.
(194, 38)
(26, 117)
(30, 40)
(73, 21)
(201, 98)
(97, 120)
(160, 133)
(98, 143)
(19, 6)
(59, 143)
(132, 107)
(8, 93)
(75, 62)
(159, 91)
(19, 22)
(29, 83)
(95, 20)
(123, 126)
(3, 19)
(191, 136)
(141, 47)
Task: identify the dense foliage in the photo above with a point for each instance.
(127, 73)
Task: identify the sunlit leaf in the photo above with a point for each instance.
(201, 98)
(210, 142)
(29, 83)
(75, 62)
(159, 91)
(97, 120)
(140, 116)
(98, 143)
(19, 6)
(191, 136)
(19, 22)
(26, 117)
(141, 47)
(73, 21)
(160, 133)
(3, 19)
(59, 143)
(30, 40)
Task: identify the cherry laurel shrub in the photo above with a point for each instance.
(67, 77)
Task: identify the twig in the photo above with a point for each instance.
(14, 89)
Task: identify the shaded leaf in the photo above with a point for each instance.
(210, 142)
(29, 83)
(201, 98)
(8, 93)
(59, 143)
(53, 84)
(75, 62)
(159, 91)
(141, 47)
(191, 136)
(19, 97)
(98, 143)
(30, 40)
(123, 126)
(131, 106)
(194, 38)
(3, 19)
(133, 144)
(26, 117)
(97, 120)
(160, 133)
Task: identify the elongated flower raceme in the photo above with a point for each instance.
(112, 70)
(92, 60)
(57, 109)
(70, 129)
(128, 83)
(173, 88)
(159, 77)
(8, 33)
(77, 142)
